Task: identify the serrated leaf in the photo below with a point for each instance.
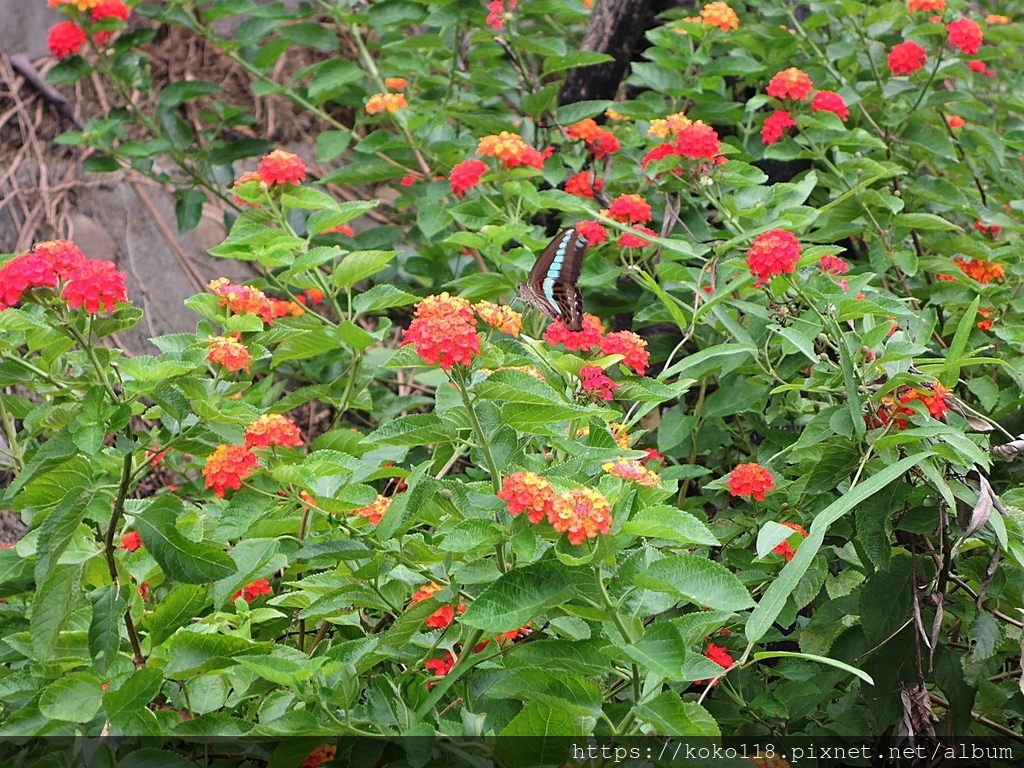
(671, 716)
(108, 609)
(175, 610)
(518, 596)
(138, 691)
(360, 265)
(575, 694)
(180, 558)
(661, 651)
(701, 581)
(671, 523)
(417, 429)
(51, 605)
(75, 698)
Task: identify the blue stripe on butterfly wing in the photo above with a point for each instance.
(556, 264)
(547, 287)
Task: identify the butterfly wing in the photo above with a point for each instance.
(551, 286)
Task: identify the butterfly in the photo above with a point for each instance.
(551, 286)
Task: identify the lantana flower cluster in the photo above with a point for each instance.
(580, 513)
(592, 336)
(244, 299)
(93, 285)
(67, 37)
(229, 465)
(897, 410)
(793, 86)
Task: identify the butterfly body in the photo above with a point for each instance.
(551, 286)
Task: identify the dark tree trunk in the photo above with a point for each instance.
(617, 28)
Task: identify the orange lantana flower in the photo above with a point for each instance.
(582, 513)
(229, 352)
(386, 102)
(272, 429)
(528, 492)
(227, 467)
(501, 317)
(511, 150)
(375, 511)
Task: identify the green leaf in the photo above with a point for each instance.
(189, 653)
(517, 387)
(105, 625)
(545, 419)
(575, 694)
(176, 610)
(135, 694)
(924, 221)
(283, 672)
(671, 716)
(417, 429)
(518, 596)
(360, 265)
(59, 527)
(330, 144)
(573, 60)
(540, 719)
(774, 598)
(951, 371)
(180, 559)
(382, 297)
(184, 90)
(75, 698)
(699, 580)
(51, 605)
(665, 522)
(819, 659)
(188, 208)
(661, 650)
(886, 601)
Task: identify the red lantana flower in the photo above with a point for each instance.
(629, 240)
(600, 142)
(227, 467)
(280, 167)
(630, 209)
(443, 331)
(632, 347)
(395, 83)
(784, 548)
(528, 492)
(750, 480)
(833, 265)
(322, 754)
(582, 513)
(992, 230)
(109, 9)
(790, 83)
(580, 184)
(773, 253)
(272, 429)
(243, 299)
(93, 284)
(965, 34)
(374, 512)
(584, 340)
(698, 141)
(22, 273)
(466, 175)
(253, 590)
(131, 541)
(592, 232)
(596, 383)
(441, 666)
(906, 58)
(931, 6)
(829, 101)
(229, 352)
(496, 12)
(775, 126)
(65, 39)
(63, 256)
